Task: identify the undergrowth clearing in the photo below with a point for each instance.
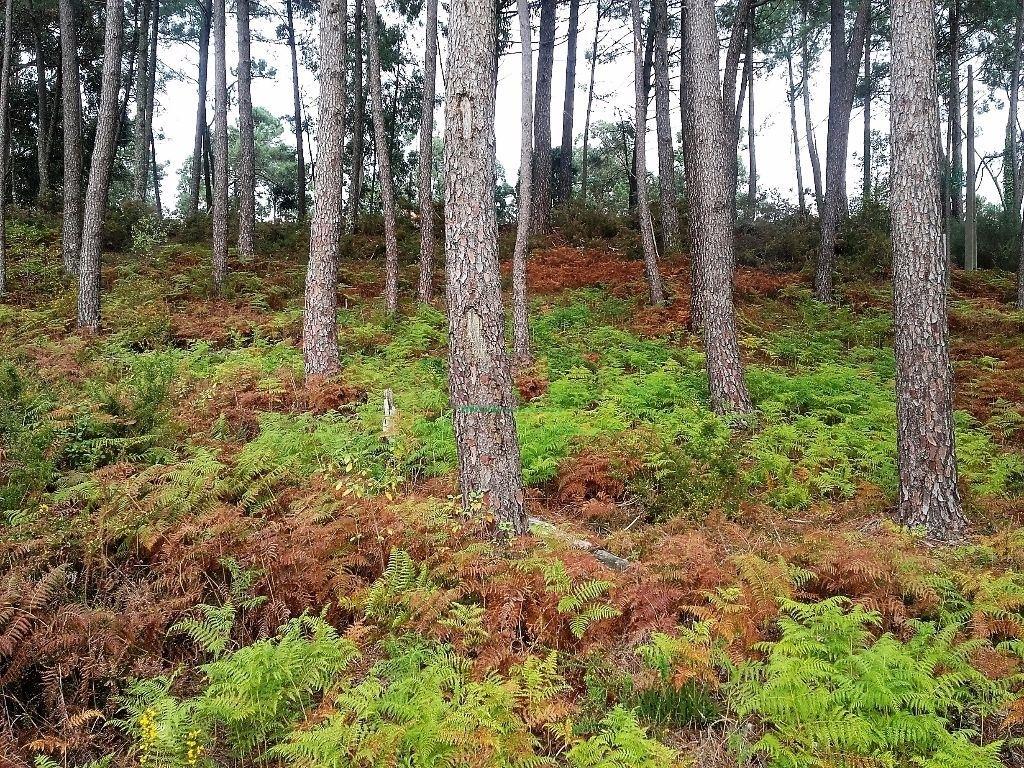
(212, 562)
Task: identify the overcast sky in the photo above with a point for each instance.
(175, 120)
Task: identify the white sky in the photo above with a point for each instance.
(175, 120)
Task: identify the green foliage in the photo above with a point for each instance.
(620, 743)
(829, 693)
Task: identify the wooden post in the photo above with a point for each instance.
(971, 228)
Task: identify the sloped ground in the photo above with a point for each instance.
(175, 493)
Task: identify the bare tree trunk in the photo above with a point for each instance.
(711, 209)
(246, 173)
(207, 169)
(751, 147)
(428, 248)
(568, 107)
(100, 170)
(154, 35)
(791, 98)
(383, 154)
(956, 132)
(140, 147)
(520, 319)
(44, 193)
(300, 154)
(198, 144)
(971, 223)
(1013, 184)
(654, 284)
(358, 118)
(220, 145)
(542, 121)
(480, 381)
(320, 325)
(584, 179)
(71, 225)
(5, 139)
(868, 85)
(156, 177)
(928, 494)
(844, 69)
(805, 86)
(666, 153)
(734, 105)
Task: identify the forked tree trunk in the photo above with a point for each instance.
(666, 152)
(928, 494)
(568, 107)
(791, 98)
(100, 169)
(383, 154)
(584, 174)
(428, 247)
(320, 323)
(71, 225)
(520, 320)
(358, 117)
(220, 145)
(140, 149)
(246, 173)
(711, 209)
(843, 72)
(542, 121)
(198, 155)
(5, 100)
(300, 153)
(655, 287)
(480, 381)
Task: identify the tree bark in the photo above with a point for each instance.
(956, 132)
(1011, 168)
(751, 146)
(634, 171)
(805, 87)
(428, 247)
(358, 118)
(655, 287)
(300, 153)
(383, 154)
(100, 169)
(868, 84)
(154, 35)
(584, 178)
(198, 144)
(711, 209)
(44, 193)
(320, 324)
(220, 145)
(844, 69)
(568, 107)
(5, 139)
(140, 147)
(156, 177)
(246, 173)
(71, 225)
(791, 98)
(666, 152)
(928, 494)
(542, 121)
(520, 319)
(971, 222)
(480, 381)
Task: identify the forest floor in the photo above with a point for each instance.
(208, 560)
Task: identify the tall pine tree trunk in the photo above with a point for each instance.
(708, 185)
(751, 129)
(198, 156)
(520, 319)
(44, 193)
(843, 72)
(805, 87)
(568, 107)
(542, 121)
(154, 34)
(5, 139)
(320, 324)
(428, 247)
(383, 154)
(246, 173)
(300, 152)
(971, 214)
(220, 145)
(868, 85)
(928, 494)
(100, 169)
(655, 286)
(954, 100)
(156, 177)
(358, 118)
(480, 381)
(140, 149)
(71, 225)
(791, 98)
(666, 152)
(1013, 186)
(584, 174)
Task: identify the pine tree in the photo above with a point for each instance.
(220, 145)
(246, 173)
(71, 94)
(428, 247)
(520, 309)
